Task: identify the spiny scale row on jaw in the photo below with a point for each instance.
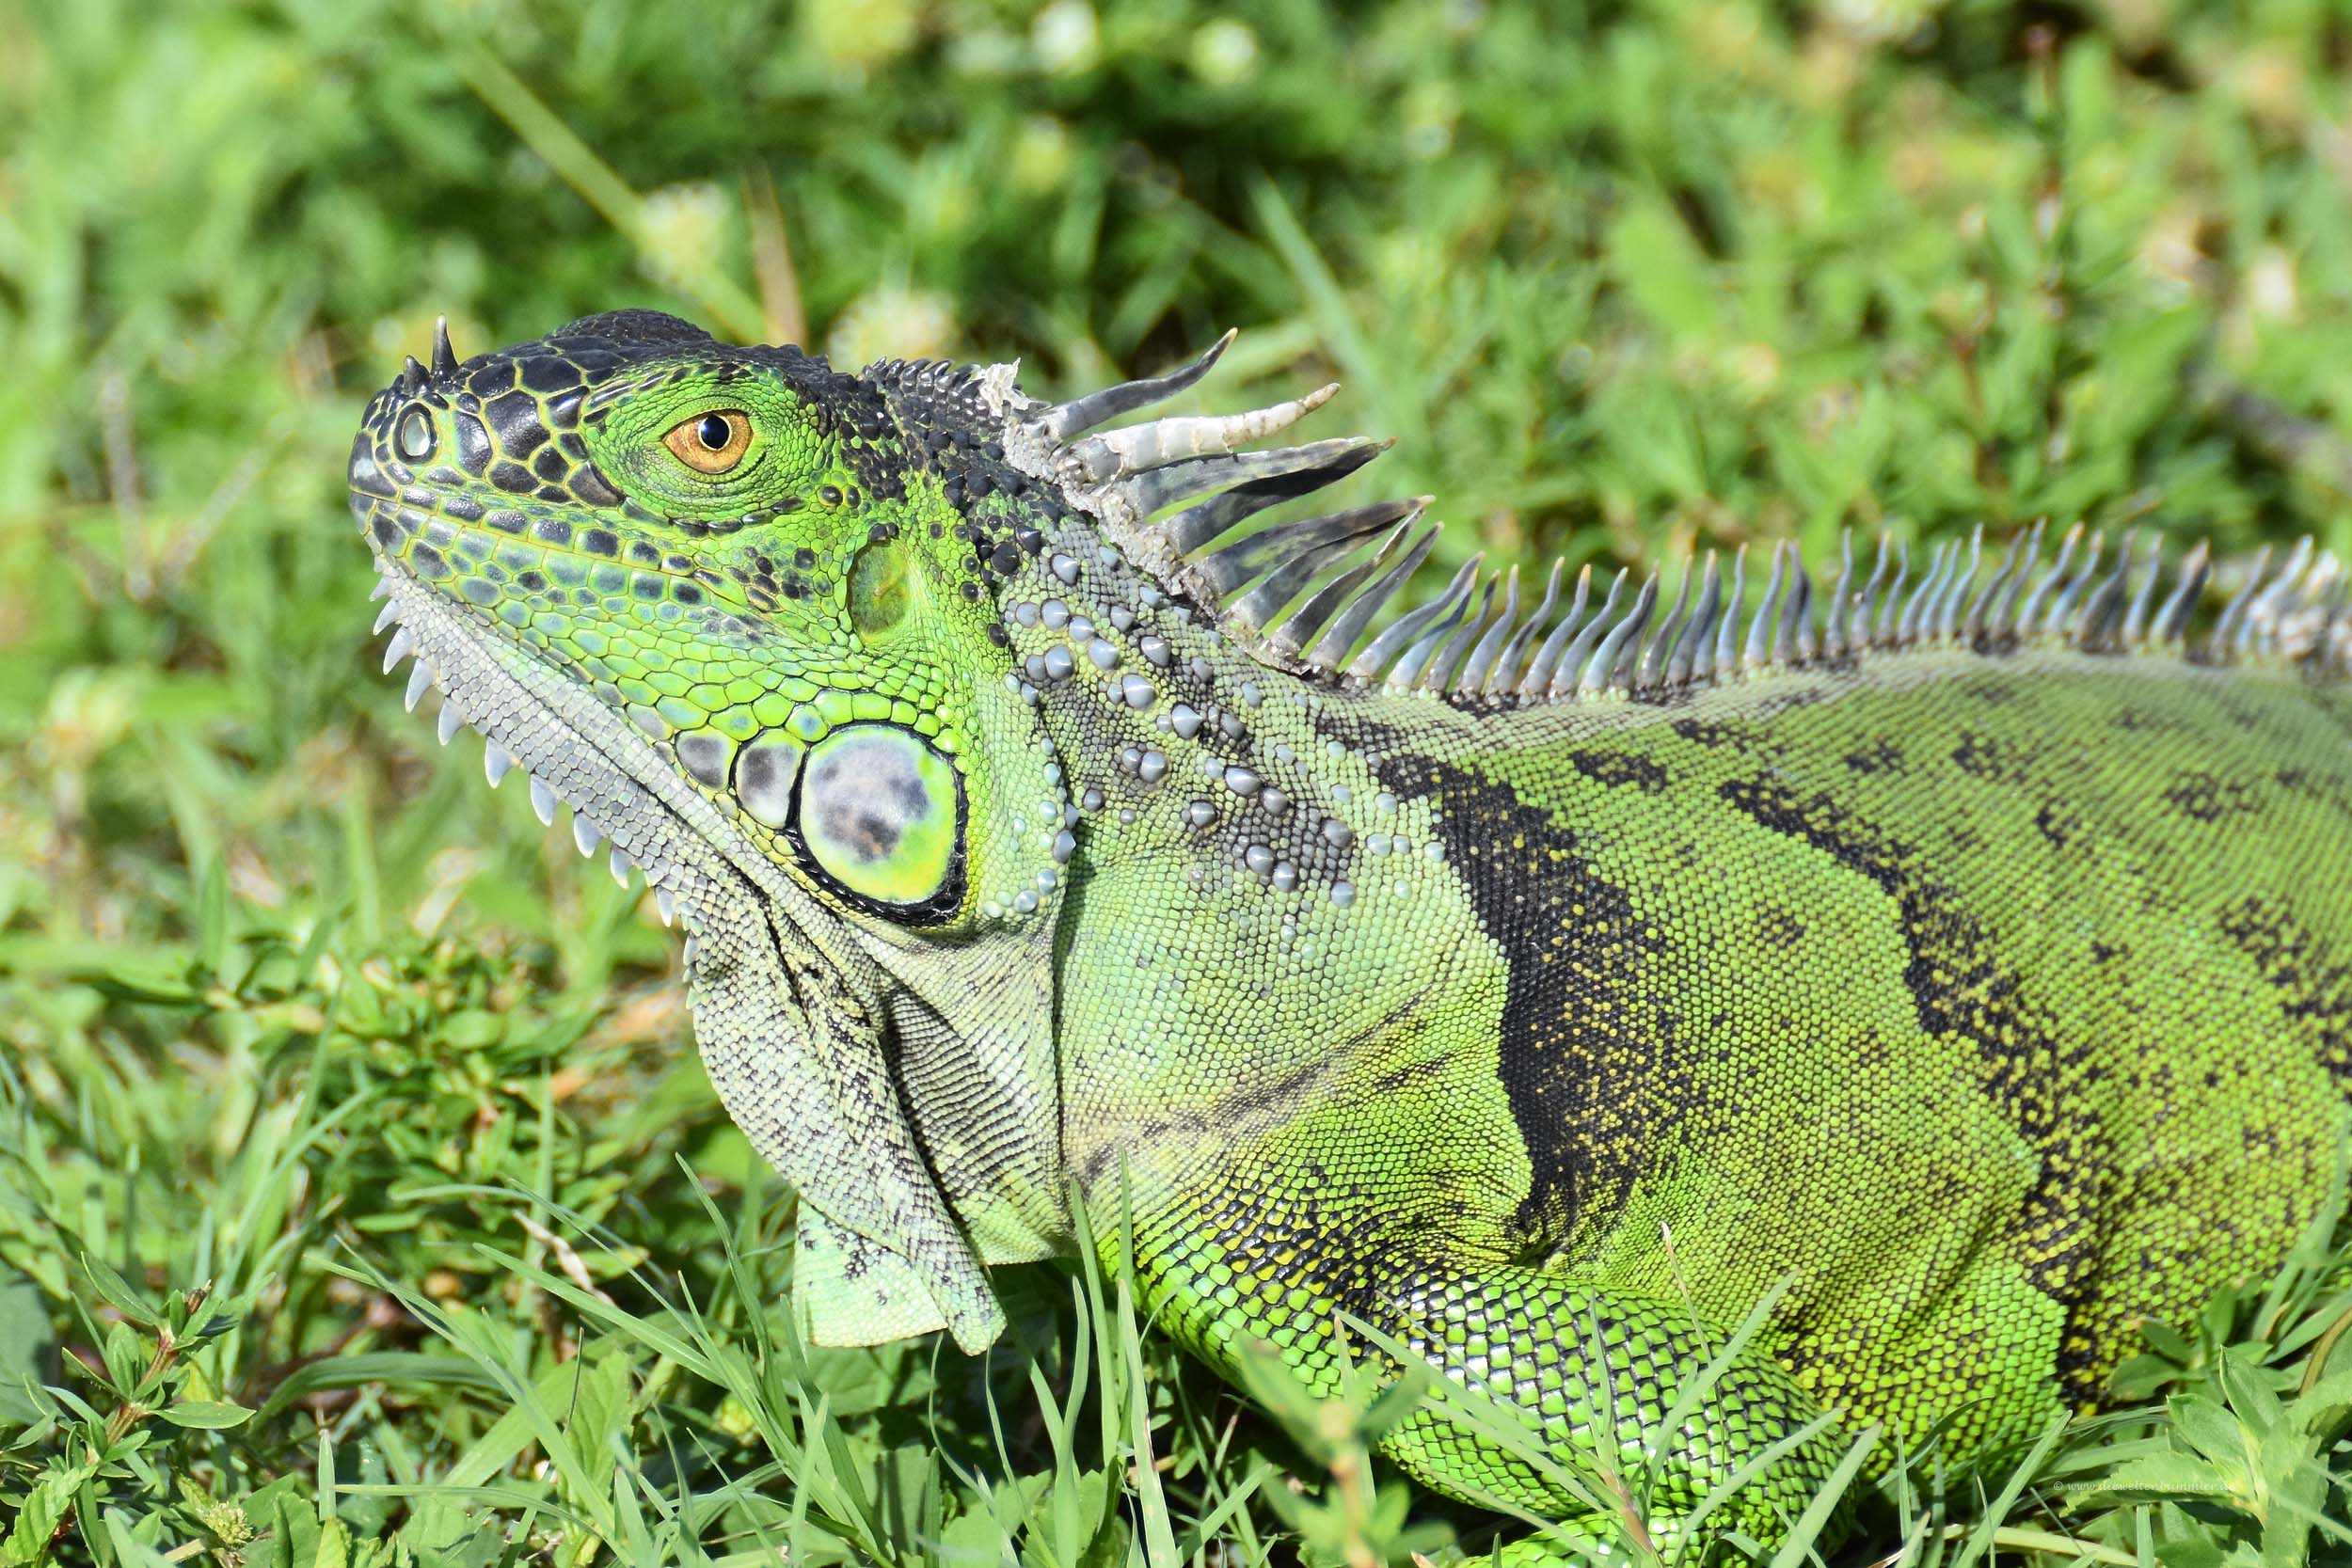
(588, 833)
(1301, 596)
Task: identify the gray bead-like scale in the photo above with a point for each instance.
(765, 772)
(704, 756)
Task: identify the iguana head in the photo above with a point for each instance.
(851, 667)
(757, 562)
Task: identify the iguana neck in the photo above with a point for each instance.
(1170, 737)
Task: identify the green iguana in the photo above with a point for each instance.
(1535, 985)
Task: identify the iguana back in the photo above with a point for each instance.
(1998, 998)
(1966, 958)
(1993, 999)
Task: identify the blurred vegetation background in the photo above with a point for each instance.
(356, 1172)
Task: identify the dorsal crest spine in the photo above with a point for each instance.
(1302, 595)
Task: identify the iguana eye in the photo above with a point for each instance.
(711, 443)
(881, 813)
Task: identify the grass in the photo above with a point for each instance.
(360, 1200)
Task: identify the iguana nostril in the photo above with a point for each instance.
(414, 435)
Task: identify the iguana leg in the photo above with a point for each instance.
(1594, 1375)
(1590, 1374)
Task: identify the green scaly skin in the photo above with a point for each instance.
(1990, 991)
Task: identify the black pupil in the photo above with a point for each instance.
(713, 433)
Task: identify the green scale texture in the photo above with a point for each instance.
(1996, 1003)
(1981, 996)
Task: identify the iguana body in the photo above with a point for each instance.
(1972, 954)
